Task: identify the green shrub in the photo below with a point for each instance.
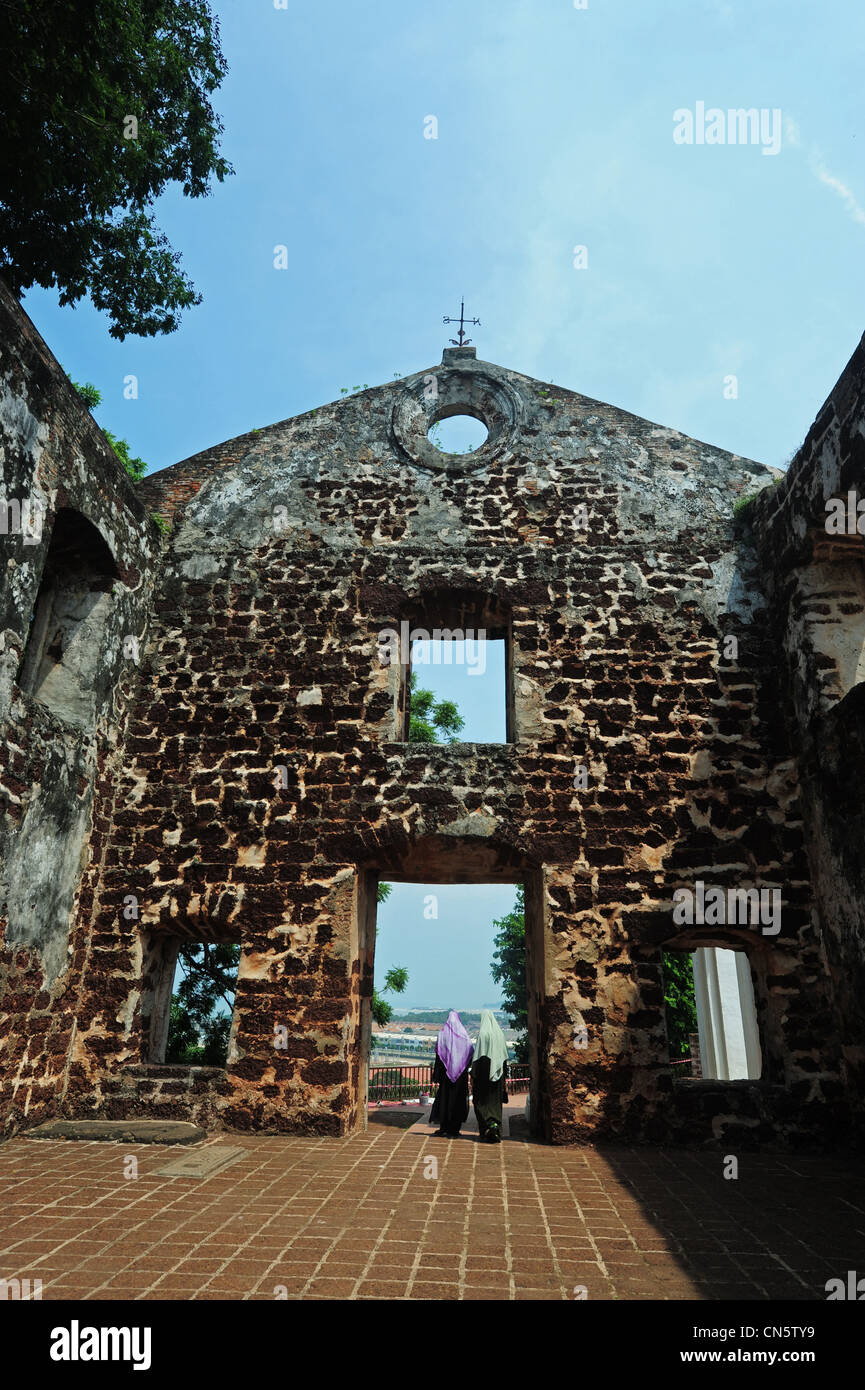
(92, 397)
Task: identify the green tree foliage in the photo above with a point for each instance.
(396, 978)
(136, 468)
(77, 180)
(429, 717)
(197, 1033)
(382, 1012)
(395, 982)
(90, 394)
(92, 397)
(679, 1000)
(508, 969)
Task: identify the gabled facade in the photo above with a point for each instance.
(252, 781)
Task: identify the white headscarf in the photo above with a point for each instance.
(491, 1043)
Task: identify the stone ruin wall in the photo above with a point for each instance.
(55, 771)
(292, 548)
(816, 583)
(264, 654)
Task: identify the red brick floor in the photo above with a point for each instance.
(371, 1217)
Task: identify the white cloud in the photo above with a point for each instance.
(819, 169)
(822, 174)
(791, 132)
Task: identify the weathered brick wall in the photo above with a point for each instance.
(817, 586)
(292, 548)
(53, 457)
(605, 547)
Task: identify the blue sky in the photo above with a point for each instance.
(448, 957)
(554, 130)
(474, 680)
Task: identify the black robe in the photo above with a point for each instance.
(488, 1095)
(451, 1105)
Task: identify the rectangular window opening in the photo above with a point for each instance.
(188, 1001)
(458, 690)
(711, 1014)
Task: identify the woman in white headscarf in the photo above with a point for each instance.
(489, 1078)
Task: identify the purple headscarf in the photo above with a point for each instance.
(454, 1046)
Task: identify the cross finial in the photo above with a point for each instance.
(462, 340)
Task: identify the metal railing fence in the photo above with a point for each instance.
(410, 1082)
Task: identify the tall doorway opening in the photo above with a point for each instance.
(434, 943)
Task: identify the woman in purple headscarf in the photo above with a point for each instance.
(454, 1050)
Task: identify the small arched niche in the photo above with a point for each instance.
(61, 662)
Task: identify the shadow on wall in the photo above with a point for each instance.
(63, 670)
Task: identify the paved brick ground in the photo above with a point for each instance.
(358, 1218)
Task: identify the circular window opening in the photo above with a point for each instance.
(458, 434)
